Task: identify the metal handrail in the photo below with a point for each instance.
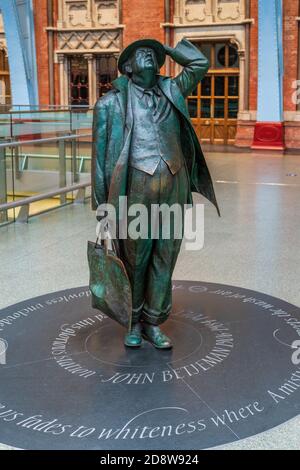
(40, 197)
(19, 143)
(24, 203)
(14, 110)
(48, 106)
(35, 111)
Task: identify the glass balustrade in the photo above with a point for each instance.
(23, 123)
(36, 167)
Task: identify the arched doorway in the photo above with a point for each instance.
(5, 91)
(214, 104)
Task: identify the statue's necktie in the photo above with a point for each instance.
(152, 98)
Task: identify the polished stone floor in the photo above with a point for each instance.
(255, 245)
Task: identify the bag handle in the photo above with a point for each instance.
(104, 242)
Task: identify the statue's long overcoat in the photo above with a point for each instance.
(112, 130)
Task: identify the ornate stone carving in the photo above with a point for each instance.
(107, 13)
(77, 14)
(229, 10)
(208, 11)
(88, 13)
(60, 58)
(88, 40)
(195, 10)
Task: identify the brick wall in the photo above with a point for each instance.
(56, 66)
(245, 129)
(40, 22)
(290, 47)
(142, 19)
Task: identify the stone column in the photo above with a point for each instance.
(63, 79)
(89, 15)
(242, 57)
(60, 20)
(178, 11)
(92, 78)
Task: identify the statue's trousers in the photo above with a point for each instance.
(150, 261)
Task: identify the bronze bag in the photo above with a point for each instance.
(109, 283)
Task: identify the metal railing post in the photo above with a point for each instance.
(80, 196)
(17, 163)
(62, 169)
(23, 215)
(3, 186)
(74, 161)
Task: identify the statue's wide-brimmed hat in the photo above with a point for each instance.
(152, 43)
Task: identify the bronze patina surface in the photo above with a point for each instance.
(145, 148)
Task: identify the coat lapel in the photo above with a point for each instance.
(167, 85)
(171, 90)
(121, 84)
(118, 184)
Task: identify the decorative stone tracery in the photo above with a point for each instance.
(209, 11)
(88, 13)
(89, 28)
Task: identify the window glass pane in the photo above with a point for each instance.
(192, 105)
(233, 108)
(106, 73)
(220, 55)
(233, 57)
(206, 86)
(219, 108)
(79, 84)
(205, 108)
(220, 86)
(206, 50)
(194, 92)
(233, 86)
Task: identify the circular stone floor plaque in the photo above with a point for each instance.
(67, 381)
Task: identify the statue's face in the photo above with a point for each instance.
(144, 59)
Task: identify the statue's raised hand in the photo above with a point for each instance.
(168, 49)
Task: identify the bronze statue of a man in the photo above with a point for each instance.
(145, 148)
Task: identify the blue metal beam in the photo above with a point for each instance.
(270, 62)
(20, 39)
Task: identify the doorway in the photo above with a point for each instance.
(214, 103)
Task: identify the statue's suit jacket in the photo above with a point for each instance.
(112, 130)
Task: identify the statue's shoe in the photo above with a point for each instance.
(133, 339)
(155, 336)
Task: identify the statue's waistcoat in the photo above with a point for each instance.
(155, 133)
